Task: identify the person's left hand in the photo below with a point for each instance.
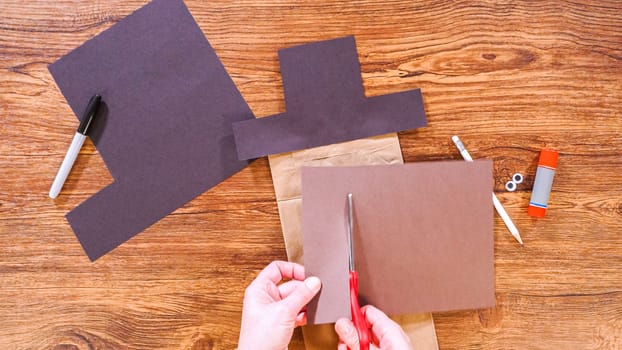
(271, 311)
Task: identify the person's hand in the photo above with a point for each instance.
(271, 310)
(386, 334)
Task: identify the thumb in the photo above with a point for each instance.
(347, 334)
(303, 294)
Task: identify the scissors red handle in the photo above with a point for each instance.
(357, 315)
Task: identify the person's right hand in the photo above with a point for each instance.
(386, 334)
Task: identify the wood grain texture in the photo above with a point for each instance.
(509, 77)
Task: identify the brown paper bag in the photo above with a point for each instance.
(285, 170)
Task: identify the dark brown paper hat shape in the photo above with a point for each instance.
(325, 104)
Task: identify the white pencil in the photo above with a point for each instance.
(495, 201)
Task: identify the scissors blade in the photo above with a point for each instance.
(350, 230)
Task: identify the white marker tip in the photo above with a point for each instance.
(455, 138)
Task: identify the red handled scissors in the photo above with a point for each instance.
(357, 315)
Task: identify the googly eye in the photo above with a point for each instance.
(510, 186)
(517, 178)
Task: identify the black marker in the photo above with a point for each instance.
(76, 144)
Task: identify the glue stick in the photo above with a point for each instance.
(547, 163)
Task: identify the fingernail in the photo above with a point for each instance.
(313, 283)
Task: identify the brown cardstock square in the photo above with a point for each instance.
(423, 236)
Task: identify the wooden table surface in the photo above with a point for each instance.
(509, 77)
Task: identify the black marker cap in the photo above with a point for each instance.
(89, 114)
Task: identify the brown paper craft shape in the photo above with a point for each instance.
(325, 104)
(423, 237)
(285, 169)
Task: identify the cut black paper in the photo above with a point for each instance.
(325, 104)
(165, 133)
